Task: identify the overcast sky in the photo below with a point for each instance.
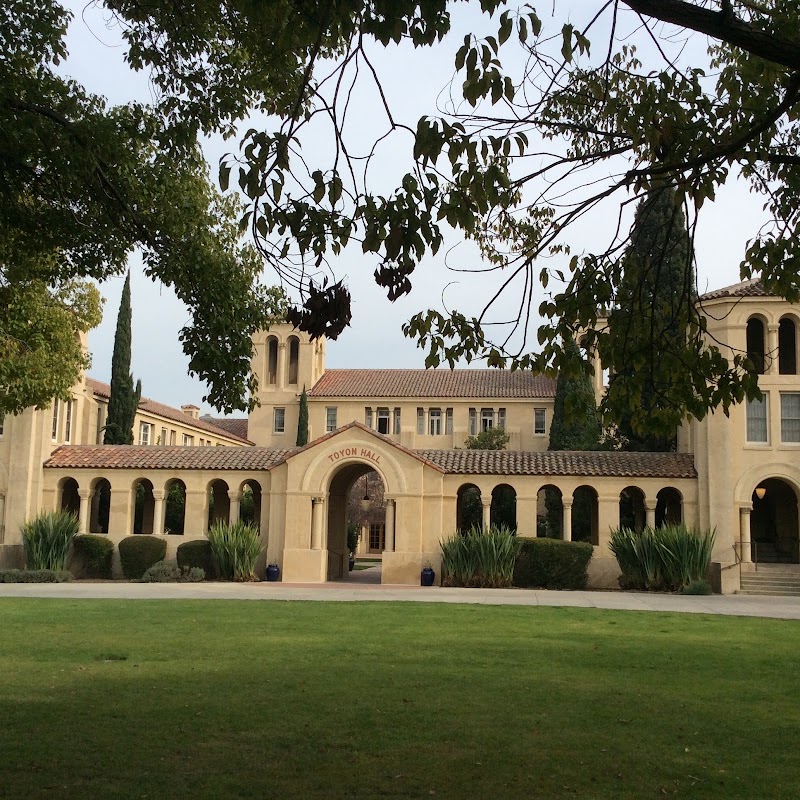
(413, 81)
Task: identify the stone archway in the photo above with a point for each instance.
(774, 529)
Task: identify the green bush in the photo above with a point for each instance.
(47, 539)
(196, 553)
(479, 558)
(697, 587)
(96, 552)
(170, 572)
(552, 564)
(665, 559)
(138, 553)
(236, 547)
(34, 576)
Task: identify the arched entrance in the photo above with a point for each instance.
(774, 523)
(469, 507)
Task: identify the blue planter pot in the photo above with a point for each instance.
(427, 577)
(273, 572)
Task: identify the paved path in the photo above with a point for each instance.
(730, 605)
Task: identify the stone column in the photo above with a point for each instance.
(389, 523)
(235, 499)
(281, 364)
(772, 348)
(158, 511)
(607, 520)
(196, 517)
(650, 513)
(487, 512)
(566, 527)
(317, 507)
(744, 533)
(83, 518)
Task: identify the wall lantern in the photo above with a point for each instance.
(760, 492)
(365, 501)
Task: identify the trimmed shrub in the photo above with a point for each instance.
(479, 558)
(34, 576)
(170, 572)
(138, 553)
(47, 539)
(196, 553)
(662, 560)
(552, 564)
(697, 587)
(96, 552)
(236, 547)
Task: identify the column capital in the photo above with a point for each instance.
(650, 505)
(282, 345)
(318, 500)
(84, 494)
(486, 502)
(158, 494)
(566, 502)
(234, 494)
(388, 500)
(773, 327)
(746, 508)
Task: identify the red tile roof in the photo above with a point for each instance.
(444, 383)
(233, 425)
(151, 406)
(751, 288)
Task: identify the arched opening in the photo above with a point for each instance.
(175, 507)
(294, 360)
(632, 513)
(143, 506)
(272, 360)
(585, 515)
(755, 343)
(250, 503)
(469, 507)
(504, 507)
(787, 347)
(355, 505)
(549, 513)
(100, 506)
(669, 507)
(774, 523)
(69, 499)
(219, 504)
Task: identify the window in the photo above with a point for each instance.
(383, 420)
(787, 347)
(397, 420)
(420, 421)
(55, 420)
(377, 538)
(435, 422)
(473, 422)
(448, 424)
(368, 417)
(790, 417)
(144, 433)
(487, 418)
(279, 420)
(1, 423)
(757, 420)
(163, 439)
(294, 359)
(188, 441)
(173, 436)
(755, 343)
(540, 421)
(99, 437)
(202, 442)
(501, 418)
(68, 422)
(330, 419)
(272, 360)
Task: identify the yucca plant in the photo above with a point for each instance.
(479, 558)
(236, 547)
(47, 539)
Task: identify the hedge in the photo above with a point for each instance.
(139, 552)
(96, 553)
(34, 576)
(552, 564)
(196, 553)
(170, 572)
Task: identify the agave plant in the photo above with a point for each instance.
(236, 547)
(47, 539)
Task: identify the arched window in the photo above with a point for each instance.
(585, 515)
(549, 513)
(143, 506)
(250, 504)
(272, 360)
(632, 513)
(669, 507)
(219, 503)
(755, 343)
(70, 499)
(294, 359)
(787, 347)
(469, 509)
(101, 506)
(503, 511)
(175, 507)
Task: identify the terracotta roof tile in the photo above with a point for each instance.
(390, 383)
(751, 288)
(145, 404)
(233, 425)
(563, 463)
(156, 457)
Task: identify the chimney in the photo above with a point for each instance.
(191, 411)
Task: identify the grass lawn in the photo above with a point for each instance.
(224, 699)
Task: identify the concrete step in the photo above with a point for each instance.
(771, 592)
(771, 582)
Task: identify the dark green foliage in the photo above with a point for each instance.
(35, 576)
(353, 535)
(124, 399)
(47, 539)
(697, 587)
(302, 420)
(471, 509)
(170, 572)
(196, 553)
(96, 554)
(504, 508)
(494, 438)
(478, 558)
(552, 564)
(236, 548)
(650, 319)
(175, 509)
(138, 553)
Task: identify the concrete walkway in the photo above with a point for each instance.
(729, 605)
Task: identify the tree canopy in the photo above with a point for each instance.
(494, 438)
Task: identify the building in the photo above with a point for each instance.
(738, 474)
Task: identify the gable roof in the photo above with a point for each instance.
(751, 288)
(237, 426)
(444, 383)
(175, 414)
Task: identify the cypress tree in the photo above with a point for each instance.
(124, 399)
(649, 324)
(302, 420)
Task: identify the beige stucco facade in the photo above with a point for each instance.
(409, 433)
